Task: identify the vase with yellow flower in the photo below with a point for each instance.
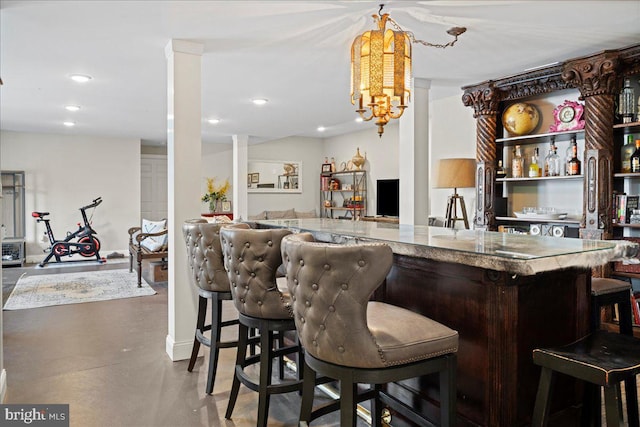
(215, 193)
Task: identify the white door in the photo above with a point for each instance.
(153, 187)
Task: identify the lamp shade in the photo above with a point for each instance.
(456, 173)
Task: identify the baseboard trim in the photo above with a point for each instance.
(178, 350)
(3, 385)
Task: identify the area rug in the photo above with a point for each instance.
(80, 262)
(43, 290)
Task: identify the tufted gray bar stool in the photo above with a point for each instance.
(206, 272)
(351, 339)
(251, 258)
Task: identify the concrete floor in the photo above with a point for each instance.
(107, 360)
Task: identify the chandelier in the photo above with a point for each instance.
(381, 70)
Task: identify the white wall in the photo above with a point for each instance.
(217, 162)
(453, 134)
(382, 157)
(308, 152)
(65, 172)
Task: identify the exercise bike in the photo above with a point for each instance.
(86, 244)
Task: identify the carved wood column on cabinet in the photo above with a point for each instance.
(484, 101)
(598, 78)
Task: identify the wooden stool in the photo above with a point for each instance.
(609, 292)
(601, 358)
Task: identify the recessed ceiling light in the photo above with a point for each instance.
(259, 101)
(321, 128)
(80, 78)
(72, 107)
(68, 124)
(214, 121)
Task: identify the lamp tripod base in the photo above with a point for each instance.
(452, 212)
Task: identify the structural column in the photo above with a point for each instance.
(598, 78)
(484, 101)
(413, 149)
(184, 153)
(240, 162)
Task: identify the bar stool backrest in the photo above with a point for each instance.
(204, 255)
(251, 258)
(330, 287)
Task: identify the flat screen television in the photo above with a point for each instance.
(388, 197)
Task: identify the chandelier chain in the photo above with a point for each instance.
(413, 39)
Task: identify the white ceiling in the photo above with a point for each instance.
(294, 53)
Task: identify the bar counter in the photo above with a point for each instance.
(505, 294)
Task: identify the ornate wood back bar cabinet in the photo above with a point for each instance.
(599, 79)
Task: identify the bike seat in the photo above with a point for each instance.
(39, 214)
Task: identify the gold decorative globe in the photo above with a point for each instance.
(520, 118)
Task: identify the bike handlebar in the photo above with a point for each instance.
(93, 204)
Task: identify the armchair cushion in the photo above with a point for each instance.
(154, 243)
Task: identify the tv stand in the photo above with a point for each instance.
(387, 219)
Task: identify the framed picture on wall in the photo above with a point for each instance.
(226, 206)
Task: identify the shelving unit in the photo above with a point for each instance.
(513, 194)
(627, 183)
(13, 214)
(348, 200)
(595, 80)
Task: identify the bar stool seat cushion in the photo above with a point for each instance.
(605, 285)
(422, 338)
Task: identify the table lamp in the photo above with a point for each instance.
(456, 173)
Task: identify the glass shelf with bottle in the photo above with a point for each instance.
(541, 178)
(540, 137)
(527, 164)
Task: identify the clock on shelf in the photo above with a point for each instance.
(567, 116)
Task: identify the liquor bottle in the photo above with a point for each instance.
(625, 154)
(534, 169)
(552, 161)
(547, 158)
(627, 102)
(574, 165)
(517, 164)
(569, 155)
(500, 172)
(635, 158)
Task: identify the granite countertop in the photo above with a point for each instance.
(516, 253)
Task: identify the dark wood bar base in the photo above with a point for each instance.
(501, 318)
